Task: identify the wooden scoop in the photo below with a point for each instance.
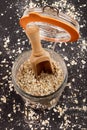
(40, 59)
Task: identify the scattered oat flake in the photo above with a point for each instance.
(76, 101)
(2, 14)
(66, 58)
(73, 62)
(3, 61)
(83, 62)
(0, 52)
(84, 100)
(9, 115)
(3, 99)
(11, 119)
(85, 108)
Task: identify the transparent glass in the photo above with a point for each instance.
(44, 102)
(51, 32)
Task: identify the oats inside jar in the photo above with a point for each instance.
(41, 85)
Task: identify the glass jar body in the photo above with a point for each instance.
(45, 102)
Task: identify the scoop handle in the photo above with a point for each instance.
(32, 33)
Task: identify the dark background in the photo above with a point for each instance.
(13, 41)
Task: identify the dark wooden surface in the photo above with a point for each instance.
(71, 111)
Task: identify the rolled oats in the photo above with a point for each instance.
(41, 85)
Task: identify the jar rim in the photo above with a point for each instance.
(60, 20)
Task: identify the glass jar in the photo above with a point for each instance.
(54, 27)
(44, 102)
